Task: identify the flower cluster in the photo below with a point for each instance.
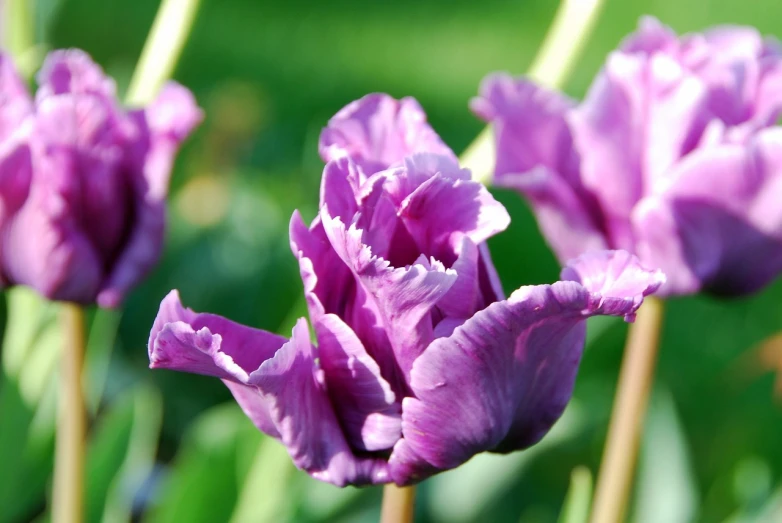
(673, 155)
(420, 361)
(82, 182)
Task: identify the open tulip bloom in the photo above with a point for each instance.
(83, 182)
(420, 362)
(674, 155)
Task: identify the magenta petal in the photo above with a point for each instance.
(73, 71)
(717, 224)
(15, 101)
(504, 377)
(624, 133)
(617, 280)
(536, 156)
(305, 420)
(446, 207)
(367, 407)
(404, 296)
(160, 129)
(207, 344)
(378, 131)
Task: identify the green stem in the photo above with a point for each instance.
(563, 44)
(67, 502)
(18, 29)
(162, 49)
(624, 431)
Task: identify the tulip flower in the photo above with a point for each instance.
(420, 362)
(83, 182)
(673, 155)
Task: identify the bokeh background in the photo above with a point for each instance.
(168, 447)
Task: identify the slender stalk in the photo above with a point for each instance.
(624, 431)
(563, 44)
(162, 49)
(67, 503)
(18, 28)
(398, 504)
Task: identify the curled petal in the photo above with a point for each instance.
(444, 209)
(301, 411)
(284, 394)
(378, 131)
(368, 410)
(613, 278)
(207, 344)
(502, 378)
(404, 296)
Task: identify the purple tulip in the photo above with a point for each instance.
(420, 360)
(672, 156)
(82, 182)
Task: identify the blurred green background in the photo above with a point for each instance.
(168, 447)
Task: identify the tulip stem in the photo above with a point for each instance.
(563, 44)
(624, 431)
(72, 421)
(398, 504)
(161, 51)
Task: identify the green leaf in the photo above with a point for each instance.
(204, 482)
(121, 454)
(26, 460)
(270, 473)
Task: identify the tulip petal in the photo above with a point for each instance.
(284, 395)
(305, 420)
(72, 71)
(160, 129)
(15, 101)
(718, 223)
(368, 410)
(624, 133)
(504, 377)
(404, 296)
(536, 157)
(207, 344)
(446, 207)
(378, 131)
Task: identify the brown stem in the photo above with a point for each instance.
(624, 430)
(398, 504)
(67, 502)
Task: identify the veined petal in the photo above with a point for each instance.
(207, 344)
(446, 207)
(503, 378)
(367, 407)
(613, 277)
(404, 296)
(378, 131)
(305, 420)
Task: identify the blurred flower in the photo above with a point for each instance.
(420, 360)
(83, 183)
(670, 156)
